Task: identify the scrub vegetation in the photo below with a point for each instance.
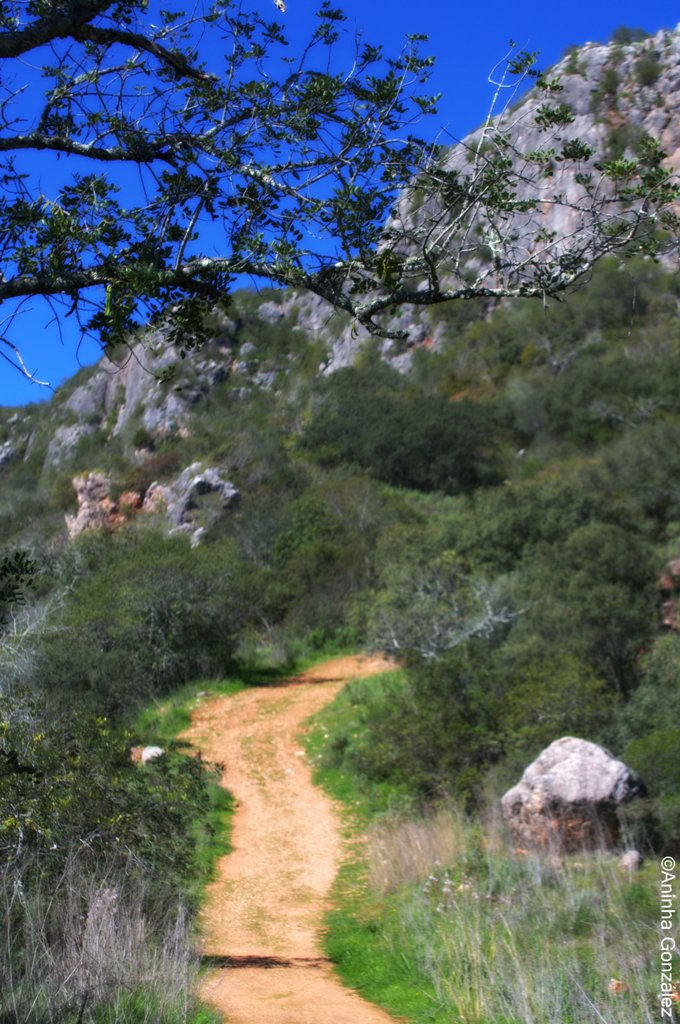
(498, 518)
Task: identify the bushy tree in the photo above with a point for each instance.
(649, 740)
(371, 417)
(594, 595)
(432, 734)
(67, 782)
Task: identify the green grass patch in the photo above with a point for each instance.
(337, 737)
(144, 1006)
(162, 721)
(212, 834)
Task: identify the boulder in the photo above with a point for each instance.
(155, 499)
(569, 798)
(183, 502)
(129, 501)
(194, 483)
(142, 755)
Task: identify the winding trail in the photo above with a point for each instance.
(262, 922)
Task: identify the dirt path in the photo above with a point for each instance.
(263, 916)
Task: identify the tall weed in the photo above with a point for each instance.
(84, 950)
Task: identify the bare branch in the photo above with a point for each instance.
(19, 364)
(141, 152)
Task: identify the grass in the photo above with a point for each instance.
(162, 721)
(340, 726)
(440, 921)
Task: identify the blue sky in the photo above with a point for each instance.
(467, 40)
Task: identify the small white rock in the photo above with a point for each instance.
(151, 753)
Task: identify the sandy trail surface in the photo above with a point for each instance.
(263, 916)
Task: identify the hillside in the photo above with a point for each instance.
(494, 501)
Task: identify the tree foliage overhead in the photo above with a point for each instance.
(200, 147)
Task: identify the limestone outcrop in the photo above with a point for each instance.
(186, 501)
(96, 509)
(182, 502)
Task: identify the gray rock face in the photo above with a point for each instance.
(64, 440)
(271, 311)
(8, 453)
(184, 500)
(569, 797)
(89, 400)
(193, 484)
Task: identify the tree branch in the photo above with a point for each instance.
(20, 365)
(144, 152)
(57, 26)
(137, 41)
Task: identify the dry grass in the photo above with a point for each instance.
(85, 950)
(404, 852)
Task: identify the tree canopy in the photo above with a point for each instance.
(201, 148)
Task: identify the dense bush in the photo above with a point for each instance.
(370, 417)
(68, 783)
(648, 68)
(594, 595)
(649, 734)
(624, 35)
(144, 613)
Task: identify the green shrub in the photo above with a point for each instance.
(62, 494)
(68, 782)
(604, 96)
(148, 613)
(430, 734)
(648, 67)
(647, 727)
(624, 35)
(624, 139)
(594, 595)
(143, 438)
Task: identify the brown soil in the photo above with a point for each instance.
(262, 923)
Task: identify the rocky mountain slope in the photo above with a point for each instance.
(145, 396)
